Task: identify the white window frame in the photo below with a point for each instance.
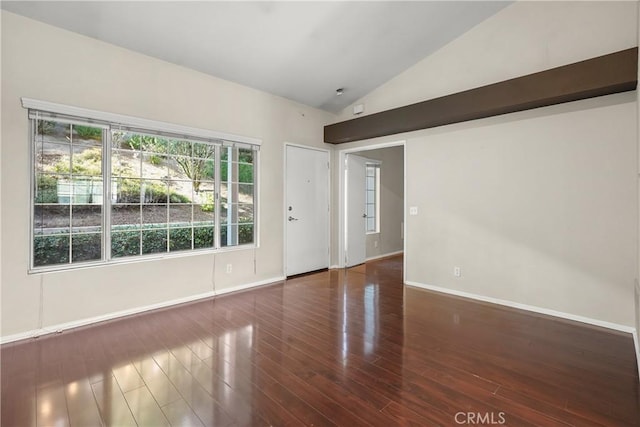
(111, 121)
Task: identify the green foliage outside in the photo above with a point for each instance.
(88, 132)
(193, 158)
(208, 204)
(47, 189)
(45, 127)
(125, 241)
(129, 191)
(89, 162)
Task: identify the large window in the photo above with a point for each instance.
(104, 192)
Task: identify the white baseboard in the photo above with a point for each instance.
(137, 310)
(636, 345)
(532, 308)
(384, 255)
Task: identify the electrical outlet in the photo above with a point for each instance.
(456, 271)
(229, 268)
(375, 243)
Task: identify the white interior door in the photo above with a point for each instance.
(306, 210)
(356, 234)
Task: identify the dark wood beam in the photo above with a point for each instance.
(603, 75)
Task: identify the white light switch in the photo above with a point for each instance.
(413, 210)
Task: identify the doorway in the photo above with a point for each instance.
(363, 237)
(306, 210)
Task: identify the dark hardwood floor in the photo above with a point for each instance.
(344, 348)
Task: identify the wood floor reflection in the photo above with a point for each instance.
(347, 348)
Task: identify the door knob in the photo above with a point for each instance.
(364, 215)
(292, 218)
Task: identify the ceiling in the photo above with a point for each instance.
(302, 51)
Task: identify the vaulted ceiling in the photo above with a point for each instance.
(302, 51)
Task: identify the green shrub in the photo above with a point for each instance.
(46, 189)
(154, 241)
(155, 159)
(245, 235)
(208, 204)
(88, 162)
(46, 127)
(50, 250)
(125, 241)
(88, 132)
(129, 192)
(86, 247)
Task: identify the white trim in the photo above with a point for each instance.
(342, 201)
(123, 313)
(334, 267)
(526, 307)
(371, 258)
(134, 121)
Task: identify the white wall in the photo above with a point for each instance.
(540, 207)
(43, 62)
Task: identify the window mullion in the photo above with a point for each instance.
(217, 162)
(106, 194)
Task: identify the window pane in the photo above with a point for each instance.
(51, 219)
(86, 218)
(180, 239)
(46, 188)
(203, 214)
(86, 247)
(245, 155)
(371, 224)
(245, 234)
(180, 191)
(154, 241)
(371, 211)
(180, 214)
(371, 183)
(87, 135)
(85, 161)
(155, 166)
(47, 130)
(124, 163)
(245, 173)
(229, 235)
(208, 170)
(245, 193)
(180, 148)
(245, 213)
(50, 250)
(203, 237)
(126, 215)
(154, 191)
(127, 190)
(52, 157)
(125, 243)
(154, 214)
(203, 151)
(371, 196)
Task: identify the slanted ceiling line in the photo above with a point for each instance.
(603, 75)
